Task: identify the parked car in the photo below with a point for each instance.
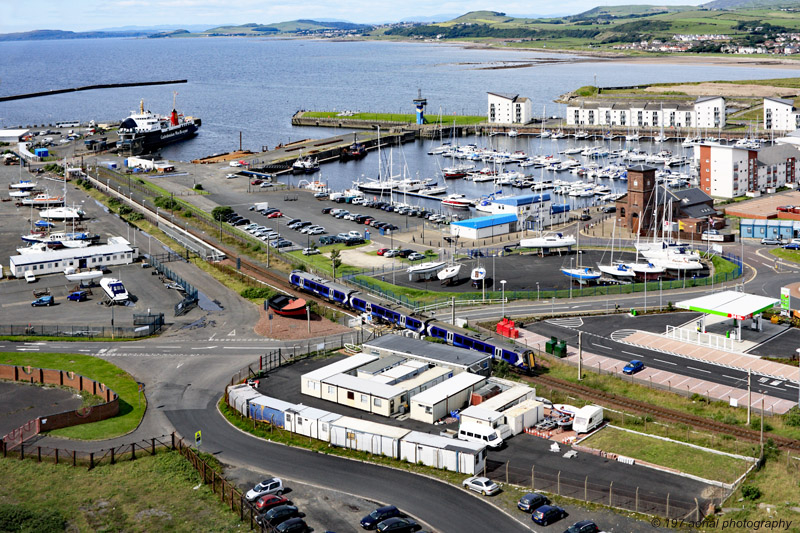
(377, 516)
(610, 209)
(266, 185)
(319, 230)
(586, 216)
(293, 221)
(792, 245)
(382, 251)
(547, 514)
(242, 222)
(341, 214)
(293, 525)
(265, 503)
(326, 210)
(391, 253)
(43, 301)
(271, 485)
(281, 244)
(301, 225)
(772, 240)
(406, 252)
(354, 233)
(415, 256)
(398, 525)
(275, 214)
(484, 485)
(78, 296)
(351, 241)
(342, 236)
(633, 367)
(320, 195)
(584, 526)
(532, 501)
(327, 239)
(310, 251)
(278, 515)
(231, 176)
(256, 181)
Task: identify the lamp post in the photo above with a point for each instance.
(660, 294)
(798, 379)
(503, 287)
(537, 291)
(571, 260)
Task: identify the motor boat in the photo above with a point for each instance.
(43, 200)
(62, 213)
(86, 275)
(35, 248)
(433, 190)
(287, 306)
(23, 185)
(449, 273)
(556, 240)
(457, 201)
(478, 274)
(19, 193)
(114, 289)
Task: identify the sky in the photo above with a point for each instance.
(83, 15)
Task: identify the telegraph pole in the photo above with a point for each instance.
(580, 355)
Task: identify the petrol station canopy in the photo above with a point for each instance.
(730, 304)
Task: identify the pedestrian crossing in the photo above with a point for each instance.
(573, 322)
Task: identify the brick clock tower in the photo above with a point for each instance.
(636, 213)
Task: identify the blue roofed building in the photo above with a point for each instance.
(534, 211)
(484, 227)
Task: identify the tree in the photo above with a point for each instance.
(336, 261)
(221, 212)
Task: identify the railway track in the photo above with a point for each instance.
(662, 413)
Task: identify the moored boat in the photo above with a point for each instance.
(145, 132)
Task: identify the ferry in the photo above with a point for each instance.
(145, 132)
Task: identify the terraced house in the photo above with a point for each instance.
(704, 113)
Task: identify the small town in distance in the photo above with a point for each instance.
(494, 310)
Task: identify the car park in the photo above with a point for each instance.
(43, 301)
(772, 240)
(271, 485)
(377, 516)
(484, 485)
(278, 515)
(265, 503)
(398, 525)
(310, 251)
(293, 525)
(326, 210)
(78, 296)
(382, 251)
(281, 244)
(391, 253)
(633, 367)
(415, 256)
(532, 501)
(547, 514)
(584, 526)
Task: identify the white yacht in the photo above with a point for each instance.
(553, 240)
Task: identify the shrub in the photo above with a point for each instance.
(187, 214)
(257, 293)
(135, 216)
(751, 492)
(792, 417)
(17, 518)
(218, 213)
(167, 202)
(198, 186)
(125, 210)
(114, 202)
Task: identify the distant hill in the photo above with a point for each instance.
(633, 9)
(749, 4)
(49, 35)
(292, 26)
(482, 17)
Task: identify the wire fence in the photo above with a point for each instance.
(84, 330)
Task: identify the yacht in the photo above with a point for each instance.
(87, 275)
(457, 201)
(62, 213)
(425, 268)
(23, 185)
(617, 270)
(449, 273)
(433, 190)
(554, 240)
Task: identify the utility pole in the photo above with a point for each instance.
(761, 439)
(749, 397)
(580, 355)
(453, 310)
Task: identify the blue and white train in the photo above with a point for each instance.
(422, 326)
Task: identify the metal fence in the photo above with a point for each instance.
(86, 330)
(635, 499)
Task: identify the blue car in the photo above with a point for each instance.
(633, 367)
(792, 246)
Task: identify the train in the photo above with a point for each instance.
(521, 360)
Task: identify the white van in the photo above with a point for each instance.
(484, 434)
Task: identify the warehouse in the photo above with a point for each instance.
(458, 359)
(310, 421)
(117, 252)
(364, 394)
(367, 436)
(509, 398)
(269, 410)
(310, 383)
(464, 457)
(437, 402)
(484, 227)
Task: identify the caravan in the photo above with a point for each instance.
(587, 418)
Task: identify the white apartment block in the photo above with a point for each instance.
(703, 114)
(780, 115)
(730, 172)
(508, 109)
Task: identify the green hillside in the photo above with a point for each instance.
(750, 4)
(625, 11)
(288, 27)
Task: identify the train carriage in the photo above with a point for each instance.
(331, 291)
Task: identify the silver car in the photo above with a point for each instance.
(272, 485)
(484, 485)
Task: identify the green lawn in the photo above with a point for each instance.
(131, 410)
(788, 255)
(447, 120)
(664, 453)
(322, 263)
(152, 493)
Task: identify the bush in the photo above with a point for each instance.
(198, 186)
(114, 202)
(135, 216)
(257, 293)
(792, 417)
(125, 210)
(167, 202)
(218, 213)
(187, 214)
(751, 492)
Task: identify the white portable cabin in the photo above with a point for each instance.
(587, 418)
(310, 421)
(524, 415)
(481, 416)
(438, 401)
(364, 394)
(380, 365)
(366, 436)
(403, 372)
(509, 398)
(441, 452)
(426, 380)
(239, 395)
(310, 383)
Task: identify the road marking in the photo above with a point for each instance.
(20, 349)
(731, 377)
(604, 347)
(242, 348)
(699, 369)
(665, 362)
(631, 353)
(232, 333)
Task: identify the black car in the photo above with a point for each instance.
(610, 209)
(294, 221)
(547, 514)
(388, 208)
(391, 227)
(377, 516)
(293, 525)
(532, 501)
(242, 222)
(269, 210)
(584, 526)
(279, 514)
(229, 216)
(327, 239)
(405, 253)
(326, 210)
(586, 216)
(398, 525)
(350, 241)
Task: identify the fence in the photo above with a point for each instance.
(86, 330)
(703, 339)
(622, 497)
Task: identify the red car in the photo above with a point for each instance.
(265, 503)
(383, 251)
(276, 214)
(256, 182)
(368, 221)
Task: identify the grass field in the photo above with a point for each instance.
(131, 410)
(447, 120)
(152, 493)
(664, 453)
(321, 263)
(788, 255)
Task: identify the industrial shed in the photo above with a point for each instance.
(310, 383)
(509, 398)
(364, 394)
(367, 436)
(437, 402)
(269, 410)
(524, 415)
(460, 456)
(310, 421)
(459, 359)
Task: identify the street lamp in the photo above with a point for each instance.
(537, 291)
(503, 287)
